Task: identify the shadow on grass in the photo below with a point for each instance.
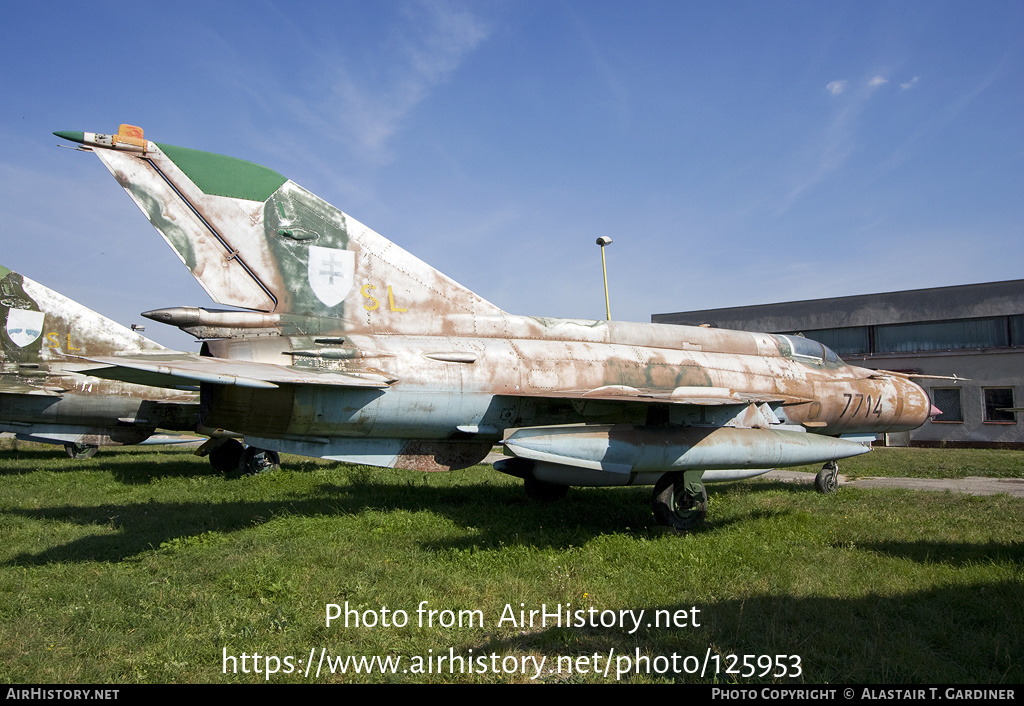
(926, 552)
(129, 465)
(499, 515)
(919, 637)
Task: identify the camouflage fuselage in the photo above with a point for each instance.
(445, 385)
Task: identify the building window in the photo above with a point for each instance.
(947, 400)
(1017, 330)
(942, 335)
(997, 401)
(853, 340)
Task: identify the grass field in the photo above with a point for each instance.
(145, 566)
(931, 463)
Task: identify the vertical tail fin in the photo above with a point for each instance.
(256, 240)
(42, 324)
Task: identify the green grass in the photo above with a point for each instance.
(891, 462)
(144, 566)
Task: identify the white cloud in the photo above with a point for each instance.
(910, 83)
(365, 99)
(433, 43)
(828, 150)
(836, 87)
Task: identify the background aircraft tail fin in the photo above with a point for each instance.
(41, 325)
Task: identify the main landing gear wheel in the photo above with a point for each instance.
(544, 492)
(255, 461)
(227, 457)
(680, 503)
(80, 451)
(827, 479)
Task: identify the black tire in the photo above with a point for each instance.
(227, 457)
(674, 507)
(827, 480)
(256, 460)
(80, 451)
(544, 492)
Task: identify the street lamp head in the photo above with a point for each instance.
(604, 240)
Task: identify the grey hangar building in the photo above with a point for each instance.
(974, 332)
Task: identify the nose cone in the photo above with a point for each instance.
(916, 407)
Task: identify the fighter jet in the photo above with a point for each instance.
(350, 348)
(43, 399)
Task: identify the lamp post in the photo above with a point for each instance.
(603, 241)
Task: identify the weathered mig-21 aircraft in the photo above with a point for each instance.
(42, 396)
(355, 350)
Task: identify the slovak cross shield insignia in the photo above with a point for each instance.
(24, 326)
(331, 273)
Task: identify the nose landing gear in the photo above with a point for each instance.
(827, 480)
(680, 500)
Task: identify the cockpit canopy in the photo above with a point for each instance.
(807, 350)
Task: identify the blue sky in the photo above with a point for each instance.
(736, 152)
